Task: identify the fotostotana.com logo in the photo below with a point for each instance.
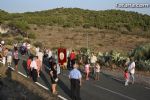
(133, 5)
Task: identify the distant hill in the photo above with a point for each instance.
(75, 17)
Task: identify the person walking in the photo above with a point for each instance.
(34, 68)
(39, 65)
(9, 57)
(131, 69)
(93, 60)
(54, 77)
(126, 76)
(97, 71)
(87, 70)
(28, 66)
(75, 80)
(16, 58)
(72, 58)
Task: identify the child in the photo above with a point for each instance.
(9, 57)
(97, 71)
(87, 70)
(126, 76)
(39, 65)
(28, 66)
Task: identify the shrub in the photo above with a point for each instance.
(68, 24)
(141, 52)
(83, 50)
(9, 41)
(31, 36)
(27, 40)
(86, 25)
(23, 25)
(141, 65)
(19, 38)
(38, 44)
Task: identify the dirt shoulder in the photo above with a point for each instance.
(140, 76)
(15, 87)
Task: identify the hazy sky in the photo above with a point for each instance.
(37, 5)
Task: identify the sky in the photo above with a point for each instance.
(20, 6)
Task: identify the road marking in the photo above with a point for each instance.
(122, 95)
(147, 87)
(41, 85)
(61, 97)
(22, 74)
(11, 68)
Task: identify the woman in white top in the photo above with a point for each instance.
(131, 69)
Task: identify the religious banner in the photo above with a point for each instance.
(62, 55)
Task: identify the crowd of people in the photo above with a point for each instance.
(36, 63)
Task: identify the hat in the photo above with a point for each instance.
(2, 42)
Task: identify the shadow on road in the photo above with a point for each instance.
(45, 80)
(62, 85)
(113, 78)
(8, 73)
(24, 65)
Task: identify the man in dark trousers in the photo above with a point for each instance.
(75, 80)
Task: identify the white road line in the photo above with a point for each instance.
(11, 68)
(41, 86)
(147, 87)
(22, 74)
(122, 95)
(62, 97)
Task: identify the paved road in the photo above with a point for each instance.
(107, 88)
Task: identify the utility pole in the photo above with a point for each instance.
(87, 40)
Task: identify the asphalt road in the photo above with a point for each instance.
(107, 88)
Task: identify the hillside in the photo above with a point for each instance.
(107, 30)
(73, 17)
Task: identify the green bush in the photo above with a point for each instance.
(141, 65)
(9, 41)
(83, 50)
(32, 36)
(38, 44)
(19, 38)
(141, 52)
(68, 24)
(86, 25)
(23, 25)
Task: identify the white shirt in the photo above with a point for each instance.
(75, 74)
(50, 53)
(24, 44)
(40, 55)
(37, 49)
(131, 68)
(97, 68)
(33, 65)
(93, 59)
(28, 46)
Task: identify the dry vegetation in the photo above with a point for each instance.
(99, 40)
